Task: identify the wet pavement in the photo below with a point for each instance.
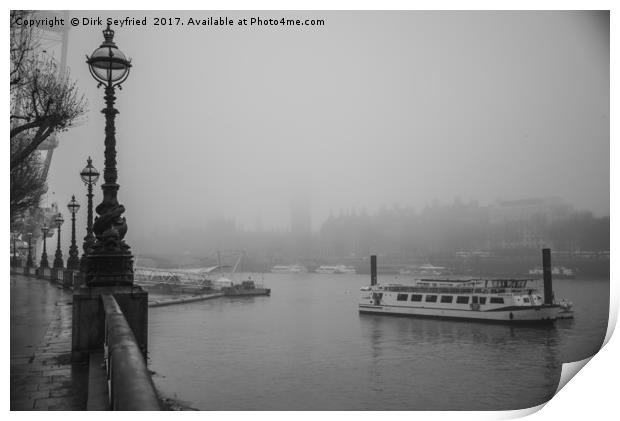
(42, 375)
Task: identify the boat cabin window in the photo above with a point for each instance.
(497, 300)
(462, 300)
(446, 298)
(431, 298)
(474, 299)
(402, 297)
(416, 297)
(483, 300)
(526, 300)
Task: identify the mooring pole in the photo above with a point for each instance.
(373, 270)
(548, 287)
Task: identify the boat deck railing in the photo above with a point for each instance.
(457, 290)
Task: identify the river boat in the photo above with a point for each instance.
(558, 272)
(245, 288)
(500, 300)
(424, 270)
(338, 269)
(289, 269)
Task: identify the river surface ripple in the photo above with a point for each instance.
(307, 348)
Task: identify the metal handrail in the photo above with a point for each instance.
(129, 383)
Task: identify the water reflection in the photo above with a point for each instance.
(432, 355)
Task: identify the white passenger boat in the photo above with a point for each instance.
(289, 269)
(505, 300)
(338, 269)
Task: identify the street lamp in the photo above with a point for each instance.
(29, 258)
(44, 263)
(109, 261)
(89, 176)
(58, 263)
(14, 236)
(73, 262)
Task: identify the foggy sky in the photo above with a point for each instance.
(372, 109)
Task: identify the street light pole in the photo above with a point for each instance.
(89, 176)
(58, 263)
(29, 258)
(73, 262)
(109, 261)
(44, 263)
(14, 236)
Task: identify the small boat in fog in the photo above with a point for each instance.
(247, 287)
(505, 300)
(424, 270)
(558, 272)
(289, 269)
(338, 269)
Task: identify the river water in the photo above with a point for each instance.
(306, 347)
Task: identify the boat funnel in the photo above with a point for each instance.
(548, 288)
(373, 270)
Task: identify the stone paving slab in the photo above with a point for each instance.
(42, 374)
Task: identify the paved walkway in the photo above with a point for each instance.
(42, 375)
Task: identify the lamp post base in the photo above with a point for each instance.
(73, 263)
(59, 263)
(44, 263)
(108, 269)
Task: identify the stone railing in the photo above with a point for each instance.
(65, 277)
(130, 387)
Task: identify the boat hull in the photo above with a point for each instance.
(509, 315)
(233, 292)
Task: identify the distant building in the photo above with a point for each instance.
(550, 208)
(524, 221)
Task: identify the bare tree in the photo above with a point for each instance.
(27, 185)
(43, 100)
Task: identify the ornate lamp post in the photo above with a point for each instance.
(44, 263)
(109, 261)
(29, 258)
(58, 263)
(73, 262)
(89, 176)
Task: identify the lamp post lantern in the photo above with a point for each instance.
(73, 262)
(29, 258)
(109, 260)
(58, 263)
(44, 263)
(89, 176)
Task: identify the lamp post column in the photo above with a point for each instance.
(44, 263)
(14, 238)
(89, 176)
(109, 261)
(90, 238)
(73, 262)
(58, 262)
(29, 262)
